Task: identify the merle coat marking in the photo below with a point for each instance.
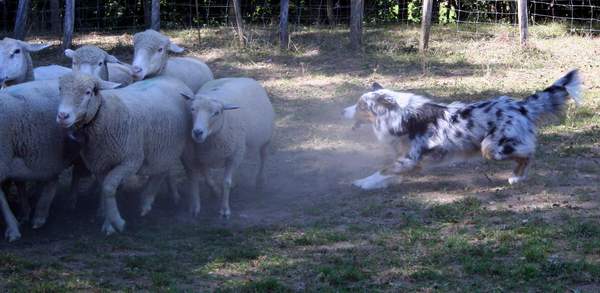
(502, 128)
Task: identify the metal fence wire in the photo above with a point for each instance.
(470, 16)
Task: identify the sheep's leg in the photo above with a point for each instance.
(260, 176)
(44, 202)
(212, 185)
(113, 221)
(194, 181)
(230, 166)
(12, 226)
(79, 171)
(24, 201)
(150, 191)
(172, 182)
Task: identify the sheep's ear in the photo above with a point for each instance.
(33, 47)
(230, 107)
(186, 96)
(175, 49)
(376, 86)
(111, 59)
(70, 53)
(107, 85)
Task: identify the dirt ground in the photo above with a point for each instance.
(456, 228)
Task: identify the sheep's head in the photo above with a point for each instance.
(361, 112)
(150, 53)
(79, 98)
(15, 62)
(207, 115)
(91, 60)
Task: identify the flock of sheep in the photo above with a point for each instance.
(115, 121)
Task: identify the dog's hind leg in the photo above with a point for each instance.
(521, 170)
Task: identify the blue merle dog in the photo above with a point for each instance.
(424, 133)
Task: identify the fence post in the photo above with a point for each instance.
(155, 15)
(21, 19)
(283, 24)
(68, 23)
(238, 19)
(523, 31)
(356, 19)
(55, 16)
(425, 25)
(330, 17)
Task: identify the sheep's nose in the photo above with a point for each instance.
(198, 133)
(63, 115)
(136, 69)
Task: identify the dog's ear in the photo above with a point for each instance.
(387, 101)
(376, 86)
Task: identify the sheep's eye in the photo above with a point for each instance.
(216, 113)
(101, 63)
(160, 50)
(17, 51)
(88, 92)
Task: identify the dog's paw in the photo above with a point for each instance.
(375, 181)
(515, 179)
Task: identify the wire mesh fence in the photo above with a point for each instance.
(468, 16)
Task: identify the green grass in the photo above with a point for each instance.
(455, 229)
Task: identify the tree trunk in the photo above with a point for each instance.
(523, 25)
(55, 16)
(283, 24)
(5, 16)
(238, 20)
(155, 15)
(21, 19)
(68, 24)
(356, 20)
(231, 12)
(425, 25)
(330, 16)
(146, 6)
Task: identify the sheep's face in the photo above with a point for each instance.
(91, 60)
(207, 117)
(79, 97)
(15, 61)
(150, 53)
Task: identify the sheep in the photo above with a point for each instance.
(33, 147)
(151, 59)
(96, 62)
(139, 129)
(15, 61)
(49, 72)
(223, 134)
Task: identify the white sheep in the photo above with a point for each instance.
(139, 129)
(15, 62)
(96, 62)
(223, 133)
(33, 147)
(49, 72)
(151, 59)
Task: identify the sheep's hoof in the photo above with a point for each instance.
(195, 211)
(107, 228)
(260, 183)
(146, 208)
(12, 234)
(38, 222)
(119, 224)
(225, 213)
(176, 198)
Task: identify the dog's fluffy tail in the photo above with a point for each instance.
(552, 99)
